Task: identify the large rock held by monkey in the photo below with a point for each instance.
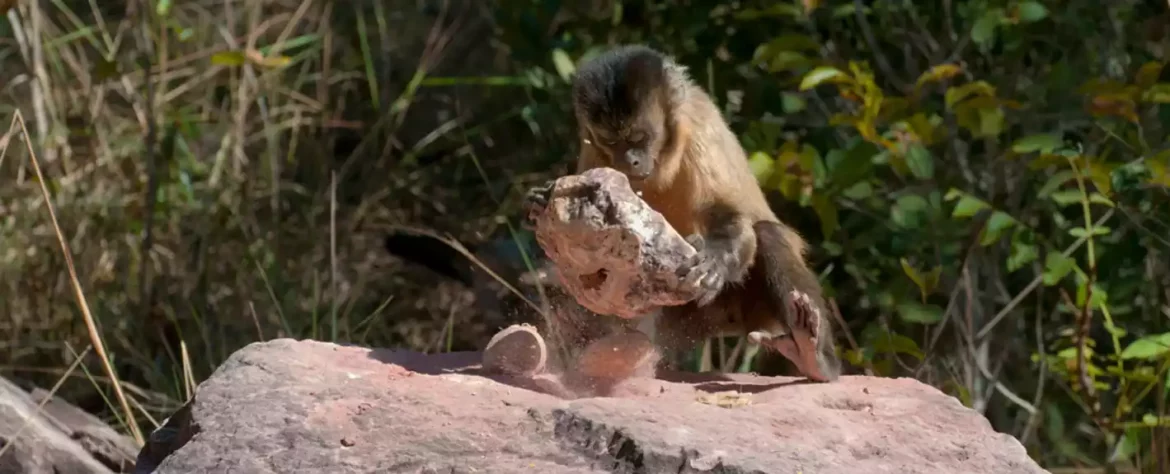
(612, 252)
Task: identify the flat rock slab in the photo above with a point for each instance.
(41, 443)
(303, 406)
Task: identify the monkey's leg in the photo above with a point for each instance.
(809, 342)
(792, 289)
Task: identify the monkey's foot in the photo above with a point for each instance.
(800, 345)
(516, 350)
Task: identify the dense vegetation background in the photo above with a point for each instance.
(984, 183)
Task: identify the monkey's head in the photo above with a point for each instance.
(622, 100)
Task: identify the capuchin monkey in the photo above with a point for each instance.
(639, 112)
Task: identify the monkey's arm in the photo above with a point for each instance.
(794, 291)
(727, 247)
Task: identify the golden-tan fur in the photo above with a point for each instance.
(640, 103)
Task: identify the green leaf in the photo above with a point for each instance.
(821, 75)
(958, 94)
(1099, 295)
(1149, 347)
(908, 209)
(1079, 232)
(1054, 422)
(920, 161)
(983, 32)
(926, 282)
(1030, 12)
(827, 212)
(228, 58)
(897, 344)
(792, 103)
(810, 159)
(996, 225)
(915, 312)
(940, 72)
(787, 42)
(968, 206)
(1021, 254)
(762, 166)
(778, 9)
(1101, 199)
(1056, 267)
(1044, 143)
(1055, 182)
(1067, 197)
(854, 163)
(563, 63)
(859, 191)
(913, 273)
(990, 122)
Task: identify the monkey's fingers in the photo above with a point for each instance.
(704, 279)
(697, 241)
(535, 202)
(538, 196)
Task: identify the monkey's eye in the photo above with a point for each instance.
(636, 137)
(606, 140)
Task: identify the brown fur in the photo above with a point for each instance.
(699, 180)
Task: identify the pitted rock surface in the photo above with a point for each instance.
(614, 253)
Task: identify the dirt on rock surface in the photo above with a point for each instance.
(306, 407)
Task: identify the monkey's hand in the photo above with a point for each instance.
(800, 345)
(535, 201)
(707, 272)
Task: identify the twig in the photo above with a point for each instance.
(333, 273)
(91, 327)
(878, 56)
(1083, 378)
(836, 312)
(1036, 282)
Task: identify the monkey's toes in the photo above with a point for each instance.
(806, 316)
(800, 349)
(516, 350)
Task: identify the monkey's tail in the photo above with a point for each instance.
(431, 253)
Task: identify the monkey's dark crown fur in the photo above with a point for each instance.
(610, 87)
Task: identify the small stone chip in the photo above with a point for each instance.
(347, 442)
(729, 399)
(516, 350)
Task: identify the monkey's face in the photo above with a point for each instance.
(631, 144)
(620, 104)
